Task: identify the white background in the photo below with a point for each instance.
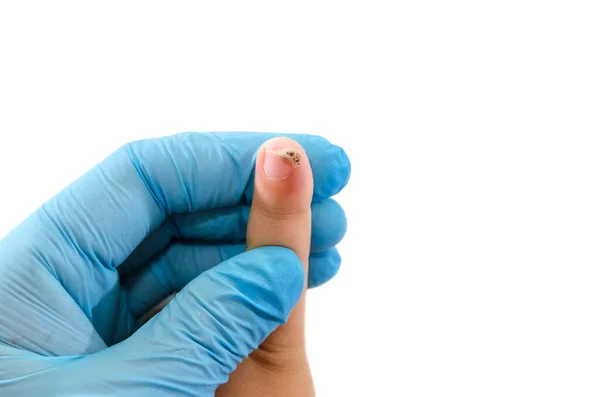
(471, 264)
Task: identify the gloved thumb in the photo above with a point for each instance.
(216, 321)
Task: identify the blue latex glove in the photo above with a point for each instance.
(156, 217)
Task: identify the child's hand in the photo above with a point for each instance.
(280, 216)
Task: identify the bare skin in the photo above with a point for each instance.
(280, 216)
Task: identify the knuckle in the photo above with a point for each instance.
(278, 214)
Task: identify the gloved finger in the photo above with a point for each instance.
(228, 226)
(182, 263)
(190, 348)
(25, 363)
(110, 210)
(323, 266)
(214, 322)
(92, 226)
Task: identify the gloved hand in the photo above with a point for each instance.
(156, 217)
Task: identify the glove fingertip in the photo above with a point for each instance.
(324, 267)
(283, 272)
(343, 169)
(329, 225)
